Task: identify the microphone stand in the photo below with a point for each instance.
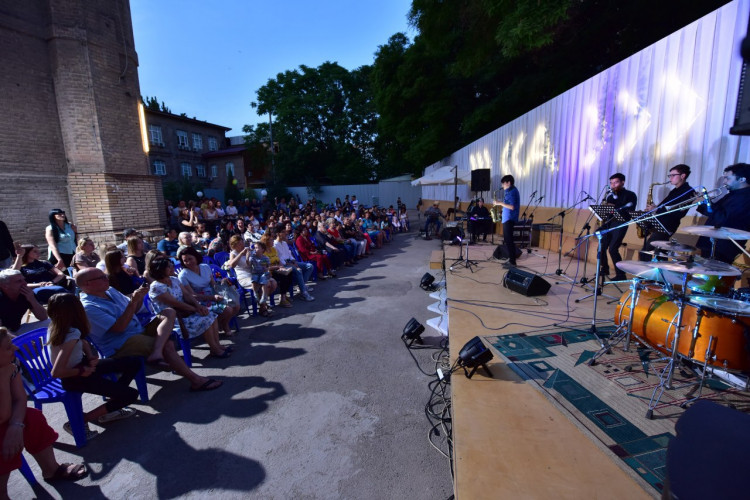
(586, 227)
(531, 229)
(559, 272)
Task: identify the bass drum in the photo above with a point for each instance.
(655, 318)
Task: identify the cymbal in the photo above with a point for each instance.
(707, 267)
(634, 266)
(673, 246)
(722, 233)
(721, 304)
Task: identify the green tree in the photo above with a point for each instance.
(323, 123)
(152, 103)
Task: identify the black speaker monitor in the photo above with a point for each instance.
(525, 283)
(480, 179)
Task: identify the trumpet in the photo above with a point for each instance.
(698, 195)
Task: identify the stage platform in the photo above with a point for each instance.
(509, 439)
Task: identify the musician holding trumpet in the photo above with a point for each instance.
(678, 178)
(732, 211)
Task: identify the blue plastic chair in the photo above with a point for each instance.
(26, 472)
(140, 377)
(220, 274)
(220, 258)
(35, 357)
(244, 294)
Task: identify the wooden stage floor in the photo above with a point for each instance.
(510, 441)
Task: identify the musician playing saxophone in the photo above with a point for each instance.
(682, 191)
(623, 200)
(732, 211)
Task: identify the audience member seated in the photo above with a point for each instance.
(281, 273)
(151, 255)
(373, 231)
(117, 332)
(123, 247)
(301, 271)
(23, 427)
(323, 243)
(186, 240)
(43, 278)
(136, 256)
(310, 253)
(195, 319)
(16, 300)
(432, 217)
(78, 366)
(169, 245)
(252, 273)
(198, 279)
(86, 255)
(126, 281)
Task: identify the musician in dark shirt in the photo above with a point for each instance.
(732, 211)
(682, 192)
(624, 201)
(480, 221)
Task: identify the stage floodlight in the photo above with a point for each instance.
(473, 355)
(412, 332)
(426, 283)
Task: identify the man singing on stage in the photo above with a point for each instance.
(732, 211)
(624, 201)
(511, 209)
(682, 191)
(480, 221)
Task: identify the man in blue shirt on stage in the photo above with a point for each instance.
(511, 209)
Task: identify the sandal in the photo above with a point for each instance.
(68, 472)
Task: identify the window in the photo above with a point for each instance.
(200, 170)
(212, 144)
(187, 170)
(154, 134)
(182, 139)
(160, 168)
(214, 171)
(230, 169)
(197, 142)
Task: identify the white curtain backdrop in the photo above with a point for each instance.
(670, 103)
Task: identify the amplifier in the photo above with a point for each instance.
(525, 283)
(450, 233)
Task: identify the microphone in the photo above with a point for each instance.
(588, 196)
(709, 208)
(540, 199)
(626, 206)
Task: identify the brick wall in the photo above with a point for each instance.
(69, 132)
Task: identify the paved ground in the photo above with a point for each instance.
(320, 401)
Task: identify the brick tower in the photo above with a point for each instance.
(70, 135)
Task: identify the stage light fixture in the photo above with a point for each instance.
(473, 355)
(426, 283)
(412, 332)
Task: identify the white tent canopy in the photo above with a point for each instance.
(443, 176)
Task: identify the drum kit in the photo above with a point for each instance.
(687, 309)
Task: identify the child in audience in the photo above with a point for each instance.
(77, 363)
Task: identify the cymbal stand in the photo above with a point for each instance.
(667, 373)
(559, 272)
(625, 328)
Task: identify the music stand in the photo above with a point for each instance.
(465, 262)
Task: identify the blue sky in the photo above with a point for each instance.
(208, 58)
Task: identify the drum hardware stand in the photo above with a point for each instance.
(624, 330)
(559, 272)
(465, 262)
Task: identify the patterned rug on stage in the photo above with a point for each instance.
(610, 398)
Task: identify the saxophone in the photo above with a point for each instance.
(649, 201)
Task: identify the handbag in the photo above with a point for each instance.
(229, 292)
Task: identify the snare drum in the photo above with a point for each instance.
(655, 318)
